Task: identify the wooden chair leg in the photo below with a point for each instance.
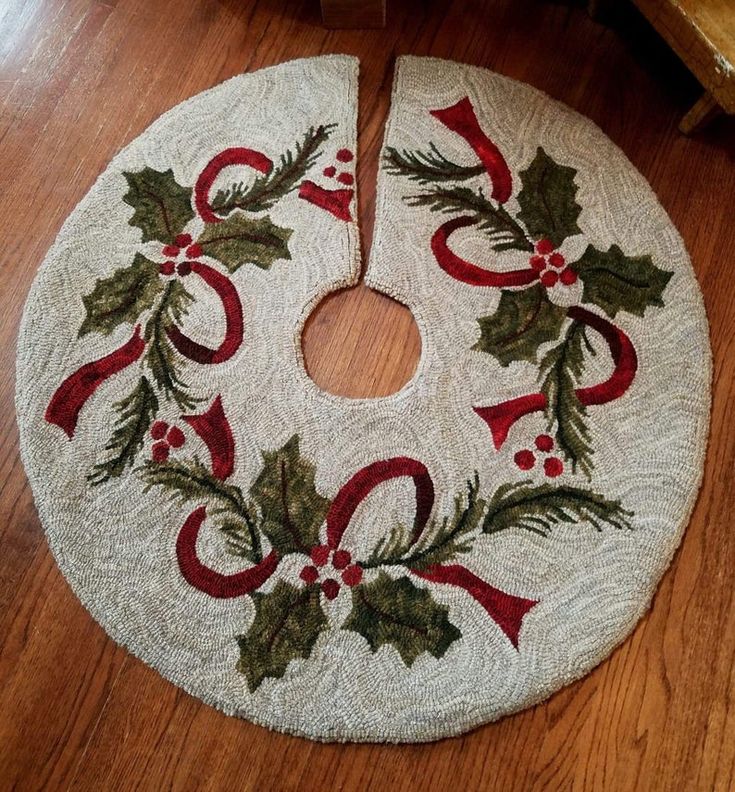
(353, 13)
(700, 115)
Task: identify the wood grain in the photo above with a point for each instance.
(353, 13)
(81, 78)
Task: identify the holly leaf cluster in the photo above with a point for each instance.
(525, 319)
(617, 282)
(395, 612)
(242, 240)
(291, 509)
(162, 207)
(287, 625)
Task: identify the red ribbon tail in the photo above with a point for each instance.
(336, 202)
(501, 417)
(461, 118)
(207, 580)
(234, 325)
(69, 398)
(506, 610)
(214, 429)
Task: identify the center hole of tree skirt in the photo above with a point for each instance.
(359, 343)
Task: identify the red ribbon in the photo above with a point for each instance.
(232, 306)
(207, 580)
(231, 156)
(69, 398)
(470, 273)
(336, 202)
(214, 430)
(505, 609)
(501, 417)
(461, 118)
(362, 484)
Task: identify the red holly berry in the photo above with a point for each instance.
(345, 178)
(537, 262)
(544, 247)
(330, 171)
(544, 442)
(568, 276)
(352, 575)
(556, 260)
(553, 467)
(309, 574)
(344, 155)
(549, 278)
(194, 251)
(170, 250)
(182, 240)
(159, 429)
(159, 452)
(167, 268)
(176, 438)
(524, 459)
(320, 554)
(330, 587)
(341, 559)
(184, 268)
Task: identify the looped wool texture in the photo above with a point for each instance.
(400, 568)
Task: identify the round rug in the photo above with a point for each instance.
(400, 568)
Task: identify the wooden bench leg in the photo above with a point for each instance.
(353, 13)
(700, 115)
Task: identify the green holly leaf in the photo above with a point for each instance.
(162, 206)
(549, 208)
(292, 511)
(122, 297)
(242, 240)
(617, 282)
(287, 624)
(524, 320)
(539, 507)
(397, 612)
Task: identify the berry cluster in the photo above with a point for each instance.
(190, 251)
(166, 437)
(341, 562)
(552, 265)
(343, 155)
(526, 459)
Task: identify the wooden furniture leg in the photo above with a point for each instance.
(353, 13)
(700, 115)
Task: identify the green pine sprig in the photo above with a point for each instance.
(437, 544)
(504, 231)
(191, 481)
(136, 413)
(560, 372)
(427, 167)
(161, 358)
(539, 507)
(266, 190)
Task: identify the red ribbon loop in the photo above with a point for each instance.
(461, 118)
(354, 492)
(506, 610)
(232, 306)
(501, 417)
(465, 271)
(231, 156)
(207, 580)
(69, 398)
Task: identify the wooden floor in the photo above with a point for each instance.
(79, 79)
